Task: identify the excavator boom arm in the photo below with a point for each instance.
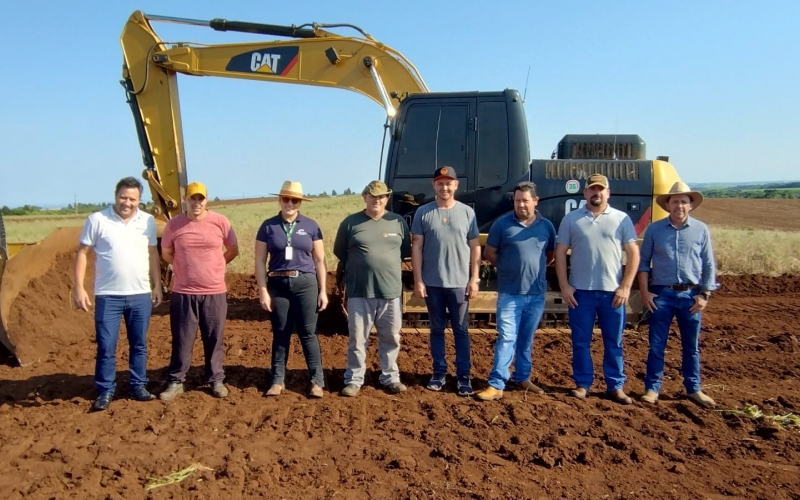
(312, 56)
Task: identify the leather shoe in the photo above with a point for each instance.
(315, 392)
(527, 385)
(172, 390)
(350, 390)
(218, 389)
(579, 392)
(650, 397)
(700, 398)
(102, 402)
(490, 394)
(274, 390)
(619, 397)
(141, 394)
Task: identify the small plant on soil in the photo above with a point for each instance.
(754, 412)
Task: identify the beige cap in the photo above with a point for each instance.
(597, 180)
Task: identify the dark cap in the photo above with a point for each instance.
(445, 172)
(376, 188)
(597, 180)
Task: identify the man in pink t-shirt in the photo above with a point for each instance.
(198, 244)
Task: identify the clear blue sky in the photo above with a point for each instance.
(713, 84)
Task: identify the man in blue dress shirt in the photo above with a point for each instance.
(676, 278)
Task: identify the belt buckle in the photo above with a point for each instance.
(293, 274)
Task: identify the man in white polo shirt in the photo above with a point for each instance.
(124, 242)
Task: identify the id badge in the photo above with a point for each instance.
(288, 253)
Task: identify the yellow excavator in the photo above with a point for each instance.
(483, 135)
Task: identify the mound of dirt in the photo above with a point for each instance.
(746, 285)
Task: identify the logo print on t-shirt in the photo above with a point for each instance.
(301, 232)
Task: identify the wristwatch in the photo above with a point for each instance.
(705, 294)
(475, 280)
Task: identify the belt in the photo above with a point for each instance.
(683, 288)
(294, 273)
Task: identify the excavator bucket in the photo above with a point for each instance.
(16, 274)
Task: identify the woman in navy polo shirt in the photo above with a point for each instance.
(292, 287)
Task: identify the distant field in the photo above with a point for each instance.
(750, 235)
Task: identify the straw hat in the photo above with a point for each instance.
(680, 188)
(292, 189)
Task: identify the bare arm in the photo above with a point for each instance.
(623, 292)
(567, 291)
(168, 254)
(261, 275)
(155, 275)
(475, 267)
(417, 240)
(231, 252)
(490, 254)
(79, 295)
(318, 255)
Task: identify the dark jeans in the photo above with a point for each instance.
(108, 312)
(674, 304)
(597, 304)
(444, 304)
(186, 313)
(294, 307)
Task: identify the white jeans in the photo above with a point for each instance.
(362, 314)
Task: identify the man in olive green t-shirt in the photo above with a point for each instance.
(370, 246)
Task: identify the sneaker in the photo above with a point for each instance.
(395, 387)
(141, 394)
(218, 389)
(437, 382)
(650, 397)
(350, 390)
(490, 394)
(527, 385)
(172, 390)
(700, 398)
(465, 387)
(102, 402)
(315, 391)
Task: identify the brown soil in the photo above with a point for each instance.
(749, 213)
(417, 444)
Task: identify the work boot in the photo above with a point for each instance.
(650, 397)
(579, 392)
(350, 390)
(618, 396)
(527, 385)
(315, 391)
(102, 402)
(700, 398)
(141, 394)
(218, 389)
(490, 394)
(395, 387)
(172, 390)
(274, 390)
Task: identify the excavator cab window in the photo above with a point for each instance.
(492, 165)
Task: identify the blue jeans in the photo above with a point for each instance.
(109, 311)
(518, 316)
(595, 304)
(444, 304)
(672, 303)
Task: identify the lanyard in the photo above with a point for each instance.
(288, 232)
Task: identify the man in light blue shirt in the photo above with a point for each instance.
(520, 244)
(597, 289)
(676, 277)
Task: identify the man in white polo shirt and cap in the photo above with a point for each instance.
(127, 285)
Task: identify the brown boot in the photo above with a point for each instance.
(315, 392)
(579, 392)
(701, 399)
(527, 385)
(274, 390)
(650, 397)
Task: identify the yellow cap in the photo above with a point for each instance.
(196, 188)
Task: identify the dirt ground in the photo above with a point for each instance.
(418, 444)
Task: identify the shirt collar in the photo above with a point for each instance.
(587, 211)
(688, 222)
(536, 219)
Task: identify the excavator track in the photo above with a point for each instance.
(3, 259)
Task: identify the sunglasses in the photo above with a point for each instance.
(290, 201)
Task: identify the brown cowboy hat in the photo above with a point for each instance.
(680, 188)
(292, 189)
